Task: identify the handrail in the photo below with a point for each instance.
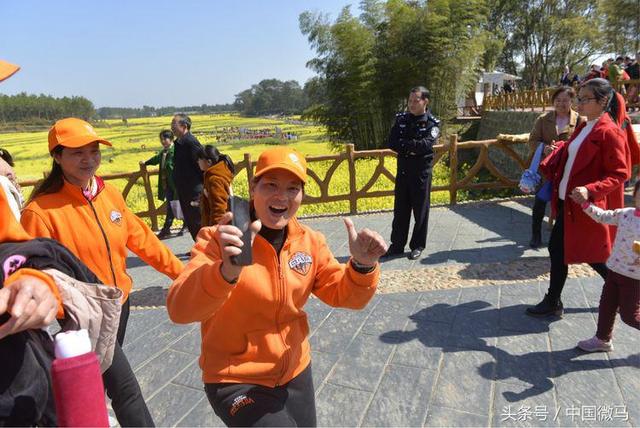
(523, 100)
(447, 153)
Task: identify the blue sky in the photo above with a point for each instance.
(131, 53)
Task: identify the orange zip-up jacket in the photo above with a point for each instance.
(255, 331)
(12, 231)
(98, 232)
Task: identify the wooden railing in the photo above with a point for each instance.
(448, 153)
(541, 99)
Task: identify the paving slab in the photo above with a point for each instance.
(456, 357)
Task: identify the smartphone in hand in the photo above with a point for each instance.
(242, 220)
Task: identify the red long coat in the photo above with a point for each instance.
(602, 165)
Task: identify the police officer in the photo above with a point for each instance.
(412, 137)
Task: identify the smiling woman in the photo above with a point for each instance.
(255, 351)
(89, 217)
(592, 166)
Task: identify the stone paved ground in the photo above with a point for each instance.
(455, 357)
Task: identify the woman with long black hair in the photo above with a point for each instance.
(594, 163)
(77, 208)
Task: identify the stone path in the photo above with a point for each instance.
(454, 357)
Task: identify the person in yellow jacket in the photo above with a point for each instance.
(90, 217)
(255, 357)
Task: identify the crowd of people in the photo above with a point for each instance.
(615, 70)
(255, 353)
(234, 133)
(618, 70)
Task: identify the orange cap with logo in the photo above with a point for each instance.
(7, 70)
(73, 133)
(282, 158)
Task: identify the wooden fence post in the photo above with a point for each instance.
(149, 193)
(453, 169)
(247, 161)
(353, 197)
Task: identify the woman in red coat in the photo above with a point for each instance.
(595, 163)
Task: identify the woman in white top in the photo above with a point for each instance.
(595, 163)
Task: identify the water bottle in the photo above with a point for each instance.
(77, 382)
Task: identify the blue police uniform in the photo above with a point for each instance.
(412, 138)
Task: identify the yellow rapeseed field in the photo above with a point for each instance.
(137, 140)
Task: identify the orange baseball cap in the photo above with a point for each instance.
(282, 158)
(7, 70)
(73, 133)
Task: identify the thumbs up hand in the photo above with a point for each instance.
(365, 246)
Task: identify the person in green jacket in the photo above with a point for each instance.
(166, 188)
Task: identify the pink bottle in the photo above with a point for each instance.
(77, 382)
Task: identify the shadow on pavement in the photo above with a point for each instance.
(150, 296)
(473, 323)
(506, 222)
(517, 270)
(135, 261)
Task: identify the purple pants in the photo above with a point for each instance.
(619, 292)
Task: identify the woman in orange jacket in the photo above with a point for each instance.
(28, 296)
(255, 352)
(218, 173)
(90, 218)
(29, 300)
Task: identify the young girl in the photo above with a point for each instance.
(255, 359)
(622, 287)
(218, 173)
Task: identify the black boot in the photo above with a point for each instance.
(548, 307)
(164, 233)
(537, 215)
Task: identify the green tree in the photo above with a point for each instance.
(271, 96)
(23, 107)
(621, 24)
(366, 65)
(540, 37)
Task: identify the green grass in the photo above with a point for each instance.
(138, 141)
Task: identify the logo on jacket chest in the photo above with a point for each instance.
(116, 217)
(300, 262)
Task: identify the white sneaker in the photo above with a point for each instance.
(595, 345)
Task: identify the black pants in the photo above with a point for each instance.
(191, 216)
(412, 193)
(559, 270)
(122, 386)
(242, 404)
(26, 394)
(168, 220)
(537, 215)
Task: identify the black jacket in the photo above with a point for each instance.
(187, 175)
(412, 138)
(42, 253)
(26, 397)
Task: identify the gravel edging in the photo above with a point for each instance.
(472, 275)
(430, 278)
